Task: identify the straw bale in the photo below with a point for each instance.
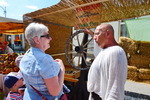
(128, 45)
(132, 73)
(144, 48)
(144, 74)
(144, 43)
(145, 81)
(144, 70)
(140, 61)
(132, 68)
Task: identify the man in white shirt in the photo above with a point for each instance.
(108, 72)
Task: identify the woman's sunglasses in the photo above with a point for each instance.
(47, 36)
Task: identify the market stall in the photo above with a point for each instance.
(80, 14)
(13, 27)
(10, 30)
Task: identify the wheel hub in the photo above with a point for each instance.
(79, 49)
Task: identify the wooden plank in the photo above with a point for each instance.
(71, 79)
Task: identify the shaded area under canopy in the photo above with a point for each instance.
(11, 26)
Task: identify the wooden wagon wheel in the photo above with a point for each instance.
(79, 50)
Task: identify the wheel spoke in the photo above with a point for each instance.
(87, 42)
(78, 40)
(85, 52)
(89, 48)
(84, 59)
(71, 52)
(72, 44)
(82, 40)
(79, 59)
(88, 54)
(74, 57)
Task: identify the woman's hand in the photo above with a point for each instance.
(60, 62)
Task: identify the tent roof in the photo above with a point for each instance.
(11, 26)
(4, 19)
(64, 13)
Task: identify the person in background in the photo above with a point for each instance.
(13, 81)
(1, 48)
(108, 72)
(39, 69)
(7, 49)
(17, 62)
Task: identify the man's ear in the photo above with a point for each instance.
(36, 40)
(107, 33)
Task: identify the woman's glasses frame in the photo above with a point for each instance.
(46, 35)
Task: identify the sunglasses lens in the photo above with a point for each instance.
(48, 36)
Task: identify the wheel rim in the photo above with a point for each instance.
(78, 52)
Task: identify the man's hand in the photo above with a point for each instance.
(88, 31)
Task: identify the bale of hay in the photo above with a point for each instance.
(144, 47)
(144, 74)
(140, 61)
(132, 73)
(132, 68)
(144, 43)
(146, 81)
(128, 45)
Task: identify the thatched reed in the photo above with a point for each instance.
(110, 10)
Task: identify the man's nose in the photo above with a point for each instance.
(94, 37)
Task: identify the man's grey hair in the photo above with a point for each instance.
(34, 30)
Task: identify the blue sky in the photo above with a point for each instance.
(17, 8)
